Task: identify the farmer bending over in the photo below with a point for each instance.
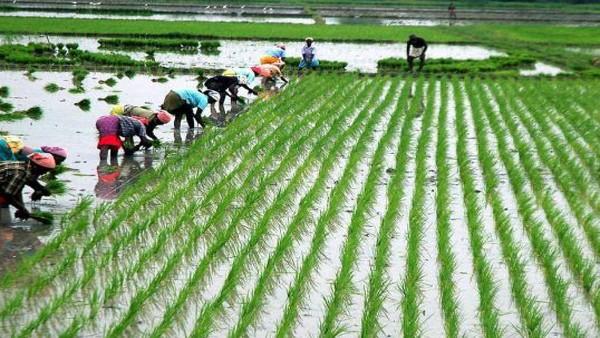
(15, 175)
(415, 48)
(309, 60)
(150, 119)
(228, 83)
(274, 56)
(111, 128)
(269, 72)
(181, 102)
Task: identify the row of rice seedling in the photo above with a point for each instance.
(379, 284)
(494, 64)
(288, 222)
(95, 240)
(571, 243)
(297, 225)
(334, 206)
(529, 212)
(221, 241)
(446, 257)
(484, 275)
(552, 150)
(344, 284)
(531, 317)
(161, 238)
(412, 283)
(240, 263)
(132, 205)
(154, 43)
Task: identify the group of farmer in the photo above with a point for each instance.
(118, 129)
(22, 165)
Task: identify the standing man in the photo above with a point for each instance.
(309, 60)
(452, 11)
(415, 48)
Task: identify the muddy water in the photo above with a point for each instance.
(64, 124)
(166, 17)
(237, 53)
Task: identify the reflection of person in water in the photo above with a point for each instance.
(114, 178)
(190, 136)
(14, 244)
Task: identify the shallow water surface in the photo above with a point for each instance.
(540, 68)
(244, 53)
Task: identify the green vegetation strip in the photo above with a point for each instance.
(519, 33)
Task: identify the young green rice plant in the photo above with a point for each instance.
(154, 43)
(581, 266)
(543, 249)
(4, 92)
(343, 285)
(446, 258)
(34, 113)
(489, 316)
(44, 217)
(411, 285)
(531, 317)
(6, 107)
(378, 284)
(337, 197)
(111, 82)
(52, 88)
(160, 80)
(79, 74)
(563, 161)
(211, 309)
(56, 187)
(77, 90)
(148, 223)
(130, 73)
(172, 310)
(84, 104)
(324, 65)
(144, 294)
(110, 99)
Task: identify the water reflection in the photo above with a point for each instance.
(113, 177)
(190, 135)
(17, 242)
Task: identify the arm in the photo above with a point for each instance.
(39, 190)
(250, 90)
(150, 130)
(17, 202)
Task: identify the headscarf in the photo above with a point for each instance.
(14, 143)
(43, 160)
(117, 109)
(57, 151)
(163, 116)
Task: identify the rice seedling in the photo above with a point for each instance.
(77, 90)
(110, 99)
(84, 104)
(242, 243)
(52, 88)
(43, 217)
(4, 91)
(6, 107)
(56, 187)
(111, 82)
(161, 80)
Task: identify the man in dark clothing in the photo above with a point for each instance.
(222, 84)
(415, 48)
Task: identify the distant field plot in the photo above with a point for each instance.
(346, 206)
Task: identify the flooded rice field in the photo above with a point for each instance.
(540, 68)
(241, 53)
(371, 206)
(65, 124)
(166, 17)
